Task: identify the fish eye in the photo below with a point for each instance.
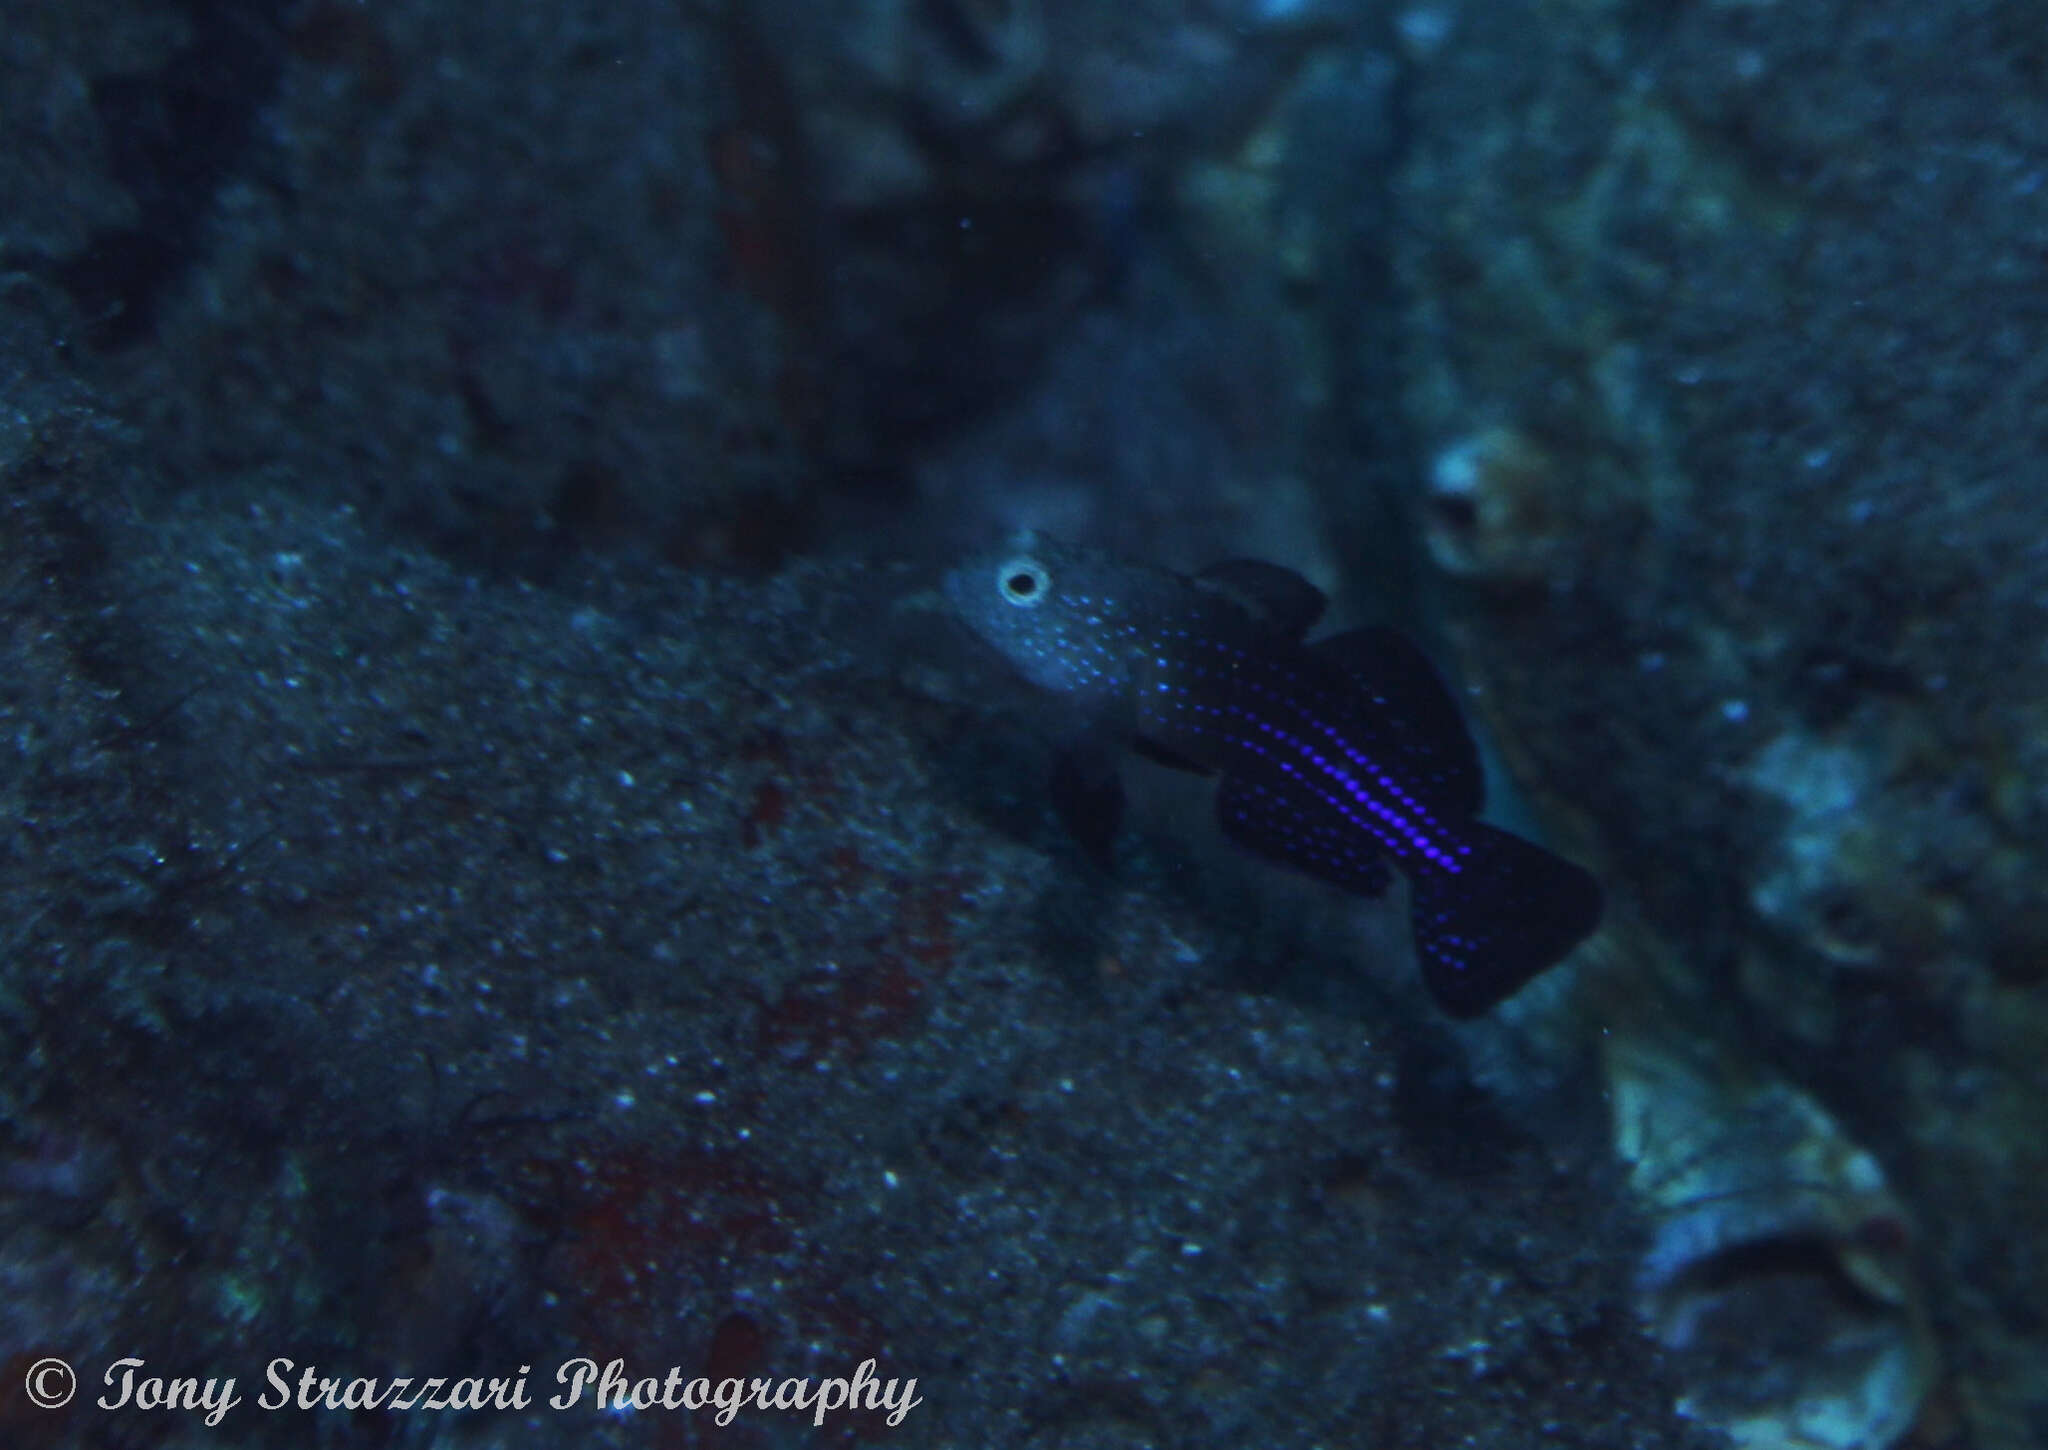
(1023, 581)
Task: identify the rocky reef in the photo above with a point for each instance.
(501, 865)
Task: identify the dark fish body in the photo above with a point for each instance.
(1336, 758)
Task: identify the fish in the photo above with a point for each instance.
(1343, 758)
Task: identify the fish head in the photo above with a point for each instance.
(1064, 617)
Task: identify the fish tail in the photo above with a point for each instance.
(1511, 910)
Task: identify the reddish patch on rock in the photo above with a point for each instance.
(766, 813)
(836, 1013)
(738, 1348)
(644, 1236)
(763, 165)
(634, 1222)
(924, 919)
(845, 872)
(786, 781)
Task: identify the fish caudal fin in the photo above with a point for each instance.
(1513, 910)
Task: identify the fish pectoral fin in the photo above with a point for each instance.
(1279, 596)
(1159, 754)
(1414, 711)
(1088, 798)
(1263, 823)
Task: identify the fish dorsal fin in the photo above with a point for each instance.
(1414, 712)
(1279, 596)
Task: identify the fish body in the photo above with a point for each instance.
(1338, 757)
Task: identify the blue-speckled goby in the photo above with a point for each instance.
(1336, 757)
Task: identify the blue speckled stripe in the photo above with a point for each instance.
(1297, 734)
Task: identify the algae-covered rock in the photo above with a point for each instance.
(1749, 283)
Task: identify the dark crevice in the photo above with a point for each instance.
(173, 135)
